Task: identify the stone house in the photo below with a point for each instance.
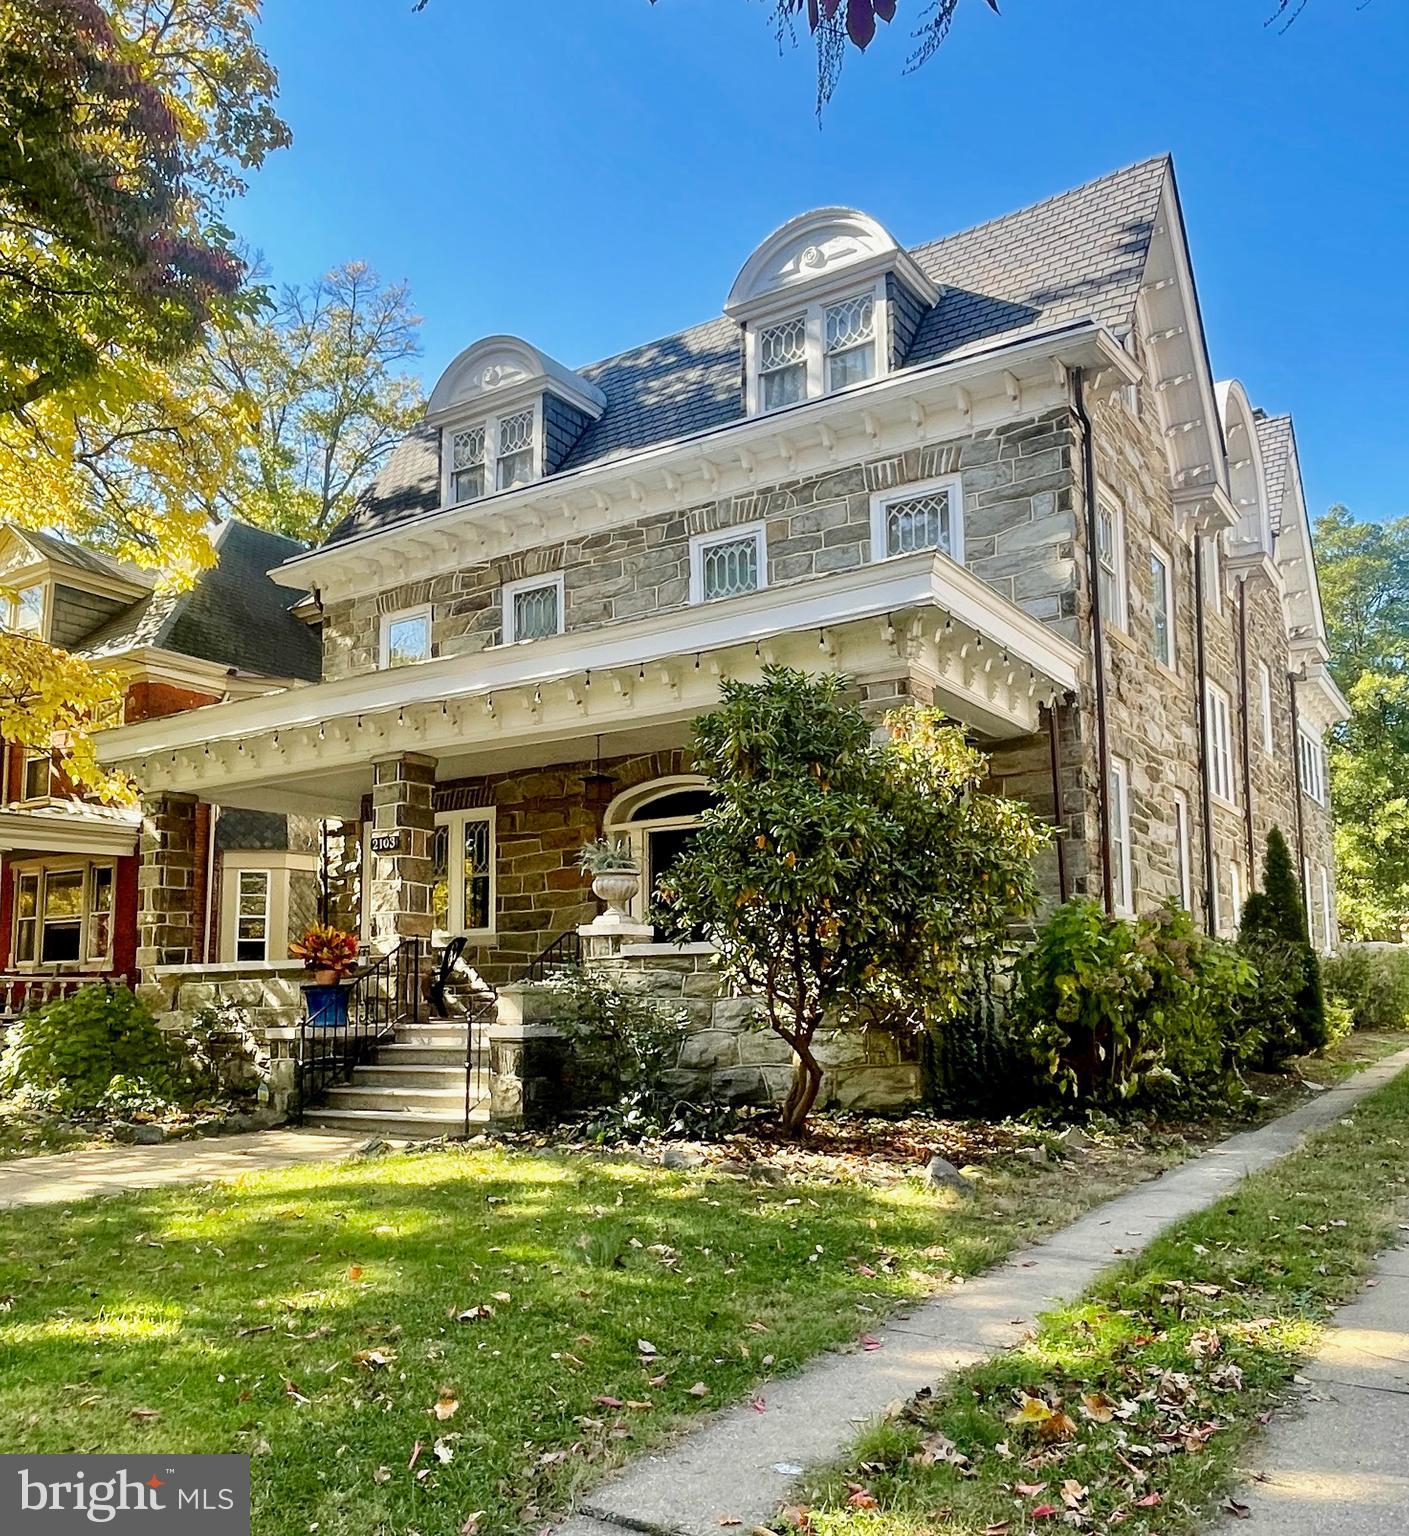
(71, 890)
(993, 472)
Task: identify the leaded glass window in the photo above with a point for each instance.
(467, 465)
(535, 612)
(513, 463)
(851, 341)
(478, 854)
(919, 522)
(782, 363)
(729, 567)
(252, 915)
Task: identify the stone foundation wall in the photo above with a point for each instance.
(729, 1055)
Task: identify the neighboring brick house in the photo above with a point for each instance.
(69, 875)
(993, 472)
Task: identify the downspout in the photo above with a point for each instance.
(1292, 678)
(1098, 638)
(1205, 783)
(1247, 732)
(1059, 815)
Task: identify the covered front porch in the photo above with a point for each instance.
(463, 788)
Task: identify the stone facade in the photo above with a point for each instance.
(730, 1056)
(399, 881)
(1018, 535)
(166, 882)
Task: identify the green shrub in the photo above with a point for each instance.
(623, 1045)
(1278, 913)
(1373, 982)
(1113, 1011)
(1271, 1013)
(1340, 1019)
(975, 1063)
(70, 1051)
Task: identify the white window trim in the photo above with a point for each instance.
(1213, 572)
(1219, 710)
(1120, 619)
(511, 589)
(880, 505)
(1265, 700)
(1306, 898)
(237, 916)
(1328, 940)
(34, 755)
(813, 308)
(456, 822)
(40, 870)
(1120, 839)
(1183, 864)
(701, 542)
(280, 865)
(46, 609)
(1160, 554)
(420, 611)
(1311, 766)
(491, 449)
(1235, 896)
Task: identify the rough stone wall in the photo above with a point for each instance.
(542, 819)
(167, 932)
(1019, 533)
(727, 1056)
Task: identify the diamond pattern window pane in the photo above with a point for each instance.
(477, 854)
(782, 344)
(918, 522)
(514, 462)
(536, 613)
(467, 465)
(851, 322)
(729, 568)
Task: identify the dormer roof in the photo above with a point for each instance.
(820, 247)
(503, 370)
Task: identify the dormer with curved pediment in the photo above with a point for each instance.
(828, 301)
(1251, 540)
(507, 414)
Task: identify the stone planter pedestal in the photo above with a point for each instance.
(526, 1059)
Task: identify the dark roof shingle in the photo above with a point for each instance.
(233, 615)
(1077, 255)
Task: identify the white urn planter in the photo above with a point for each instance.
(617, 888)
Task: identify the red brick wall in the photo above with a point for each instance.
(152, 700)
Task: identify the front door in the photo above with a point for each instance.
(663, 846)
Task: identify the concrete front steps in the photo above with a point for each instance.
(414, 1087)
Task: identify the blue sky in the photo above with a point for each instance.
(591, 175)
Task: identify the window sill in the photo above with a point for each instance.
(1222, 803)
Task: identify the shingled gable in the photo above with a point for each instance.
(1079, 255)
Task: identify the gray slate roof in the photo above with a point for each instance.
(1078, 255)
(1274, 437)
(62, 552)
(234, 615)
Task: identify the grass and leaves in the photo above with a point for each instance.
(407, 1341)
(1129, 1409)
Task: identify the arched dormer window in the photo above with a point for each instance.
(825, 303)
(508, 414)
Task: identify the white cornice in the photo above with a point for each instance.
(990, 662)
(37, 831)
(905, 409)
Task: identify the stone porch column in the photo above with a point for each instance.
(345, 876)
(166, 883)
(403, 823)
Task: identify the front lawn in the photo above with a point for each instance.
(1130, 1408)
(403, 1342)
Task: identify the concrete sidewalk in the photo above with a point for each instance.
(1338, 1465)
(740, 1466)
(65, 1176)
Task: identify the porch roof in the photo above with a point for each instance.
(69, 826)
(991, 664)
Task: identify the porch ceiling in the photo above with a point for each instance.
(990, 664)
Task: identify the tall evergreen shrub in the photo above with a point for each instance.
(1275, 934)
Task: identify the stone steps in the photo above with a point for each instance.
(417, 1125)
(399, 1097)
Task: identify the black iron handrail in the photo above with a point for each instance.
(565, 950)
(382, 995)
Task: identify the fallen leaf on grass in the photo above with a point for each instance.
(869, 1342)
(698, 1390)
(1044, 1511)
(861, 1498)
(1073, 1493)
(447, 1405)
(603, 1401)
(1151, 1500)
(382, 1475)
(373, 1358)
(471, 1524)
(147, 1415)
(645, 1348)
(1029, 1490)
(354, 1273)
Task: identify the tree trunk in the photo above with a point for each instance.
(807, 1083)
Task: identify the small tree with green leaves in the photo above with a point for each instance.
(845, 874)
(1274, 933)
